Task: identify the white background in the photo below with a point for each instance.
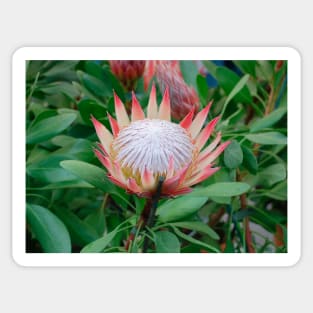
(240, 23)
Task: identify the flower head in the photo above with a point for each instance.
(144, 148)
(127, 71)
(167, 73)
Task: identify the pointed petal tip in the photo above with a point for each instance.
(199, 120)
(187, 121)
(208, 106)
(165, 106)
(120, 111)
(114, 125)
(116, 98)
(137, 112)
(93, 120)
(202, 175)
(152, 109)
(226, 143)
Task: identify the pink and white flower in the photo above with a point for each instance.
(145, 147)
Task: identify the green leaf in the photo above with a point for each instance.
(234, 86)
(97, 221)
(247, 66)
(49, 127)
(60, 67)
(166, 242)
(211, 67)
(81, 149)
(94, 85)
(233, 155)
(48, 170)
(81, 232)
(273, 174)
(104, 74)
(199, 227)
(90, 107)
(36, 155)
(60, 88)
(42, 116)
(222, 200)
(140, 204)
(269, 138)
(100, 244)
(94, 176)
(63, 140)
(175, 209)
(221, 190)
(194, 241)
(203, 87)
(76, 183)
(234, 89)
(279, 192)
(249, 160)
(268, 120)
(190, 71)
(266, 70)
(48, 229)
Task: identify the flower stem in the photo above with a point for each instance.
(243, 203)
(154, 205)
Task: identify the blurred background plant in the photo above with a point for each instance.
(73, 207)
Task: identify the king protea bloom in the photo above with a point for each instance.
(127, 71)
(142, 149)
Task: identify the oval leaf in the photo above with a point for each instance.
(166, 242)
(234, 86)
(270, 138)
(94, 176)
(100, 244)
(194, 241)
(81, 232)
(268, 120)
(175, 209)
(94, 85)
(48, 229)
(221, 190)
(278, 192)
(199, 227)
(233, 155)
(49, 127)
(88, 107)
(273, 174)
(249, 160)
(189, 71)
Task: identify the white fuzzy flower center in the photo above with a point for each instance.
(150, 143)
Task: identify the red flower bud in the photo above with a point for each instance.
(127, 71)
(183, 97)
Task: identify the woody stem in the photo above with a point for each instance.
(154, 204)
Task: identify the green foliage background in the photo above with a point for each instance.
(72, 207)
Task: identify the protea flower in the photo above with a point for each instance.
(144, 148)
(183, 97)
(127, 71)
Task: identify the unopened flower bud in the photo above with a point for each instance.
(127, 71)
